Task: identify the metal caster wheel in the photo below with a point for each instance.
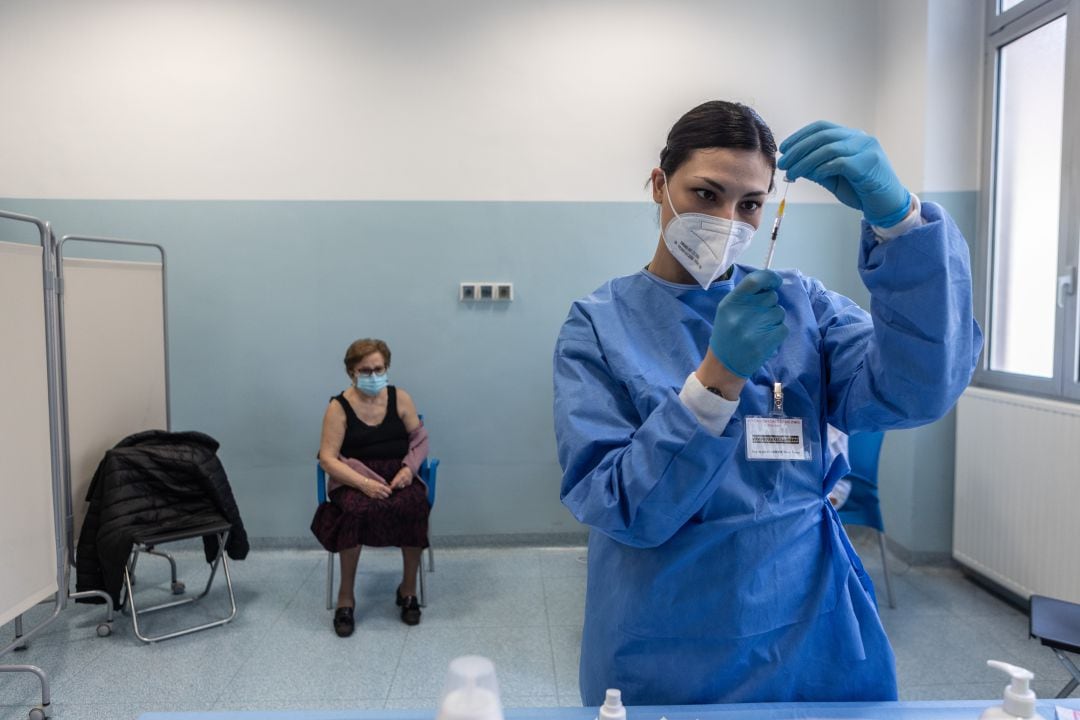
(178, 588)
(104, 630)
(37, 714)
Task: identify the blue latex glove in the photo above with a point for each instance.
(851, 165)
(749, 324)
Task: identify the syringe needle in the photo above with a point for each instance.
(776, 226)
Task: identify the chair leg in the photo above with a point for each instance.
(221, 560)
(172, 562)
(430, 558)
(329, 581)
(885, 569)
(177, 587)
(132, 564)
(1067, 690)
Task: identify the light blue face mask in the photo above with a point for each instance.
(370, 384)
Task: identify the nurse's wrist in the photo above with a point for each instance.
(912, 220)
(718, 379)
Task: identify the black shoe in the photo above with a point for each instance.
(410, 608)
(343, 621)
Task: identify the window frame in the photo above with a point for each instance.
(1002, 29)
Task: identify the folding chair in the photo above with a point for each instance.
(1056, 623)
(429, 471)
(862, 506)
(146, 541)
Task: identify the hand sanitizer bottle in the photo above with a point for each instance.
(1019, 701)
(612, 709)
(471, 692)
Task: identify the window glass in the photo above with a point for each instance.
(1027, 195)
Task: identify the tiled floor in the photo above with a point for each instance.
(520, 606)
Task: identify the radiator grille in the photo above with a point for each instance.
(1017, 509)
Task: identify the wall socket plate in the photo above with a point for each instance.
(485, 292)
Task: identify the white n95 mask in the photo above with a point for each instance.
(705, 245)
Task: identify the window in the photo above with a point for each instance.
(1030, 210)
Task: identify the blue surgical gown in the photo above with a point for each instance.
(712, 579)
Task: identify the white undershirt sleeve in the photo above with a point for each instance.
(711, 410)
(913, 220)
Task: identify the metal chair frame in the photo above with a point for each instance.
(1056, 623)
(147, 546)
(427, 473)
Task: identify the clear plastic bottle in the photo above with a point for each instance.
(471, 691)
(1019, 700)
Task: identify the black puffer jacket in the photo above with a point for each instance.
(153, 480)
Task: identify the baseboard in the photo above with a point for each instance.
(1018, 601)
(576, 539)
(919, 557)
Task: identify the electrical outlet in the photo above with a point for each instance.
(504, 291)
(486, 291)
(467, 292)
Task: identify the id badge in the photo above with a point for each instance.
(776, 436)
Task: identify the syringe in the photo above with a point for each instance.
(776, 225)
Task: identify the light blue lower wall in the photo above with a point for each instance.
(265, 296)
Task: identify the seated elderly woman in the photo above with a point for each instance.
(372, 446)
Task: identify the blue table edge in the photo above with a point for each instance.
(913, 709)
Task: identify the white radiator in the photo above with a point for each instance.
(1016, 519)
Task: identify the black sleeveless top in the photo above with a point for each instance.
(386, 441)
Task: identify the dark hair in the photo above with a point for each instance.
(717, 124)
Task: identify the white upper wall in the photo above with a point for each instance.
(900, 87)
(404, 99)
(929, 97)
(956, 38)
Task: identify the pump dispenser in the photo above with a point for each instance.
(471, 692)
(1019, 699)
(612, 709)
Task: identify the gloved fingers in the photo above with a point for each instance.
(806, 131)
(857, 152)
(757, 281)
(861, 171)
(866, 181)
(793, 160)
(759, 300)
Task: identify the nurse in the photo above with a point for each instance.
(713, 578)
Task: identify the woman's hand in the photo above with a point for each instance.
(403, 479)
(851, 165)
(749, 324)
(375, 489)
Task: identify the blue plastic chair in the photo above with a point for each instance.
(862, 506)
(429, 472)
